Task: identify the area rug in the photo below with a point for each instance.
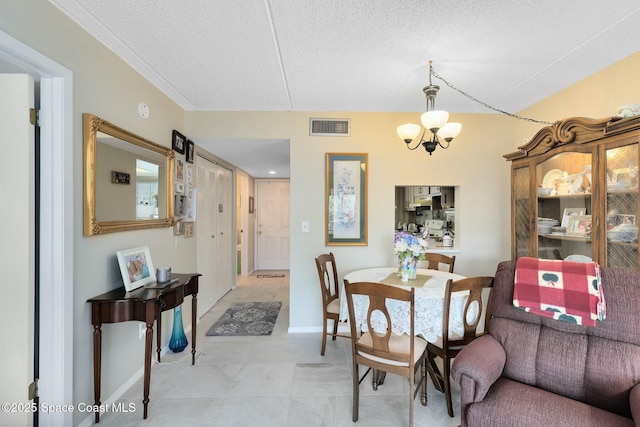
(269, 276)
(246, 319)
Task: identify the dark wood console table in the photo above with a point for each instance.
(145, 305)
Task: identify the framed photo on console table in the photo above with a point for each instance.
(136, 267)
(346, 199)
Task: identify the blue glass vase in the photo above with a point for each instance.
(178, 340)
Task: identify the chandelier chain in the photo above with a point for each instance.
(473, 98)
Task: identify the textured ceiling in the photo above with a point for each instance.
(360, 55)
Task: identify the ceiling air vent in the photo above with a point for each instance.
(329, 127)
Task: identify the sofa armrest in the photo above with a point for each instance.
(634, 402)
(482, 361)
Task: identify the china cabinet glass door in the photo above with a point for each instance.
(622, 206)
(521, 182)
(564, 206)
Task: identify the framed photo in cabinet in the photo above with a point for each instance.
(579, 226)
(570, 212)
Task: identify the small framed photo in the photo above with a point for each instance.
(626, 219)
(189, 173)
(179, 170)
(178, 142)
(569, 212)
(179, 205)
(136, 267)
(190, 197)
(179, 187)
(579, 226)
(120, 177)
(188, 229)
(178, 228)
(190, 150)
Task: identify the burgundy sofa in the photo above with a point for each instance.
(535, 371)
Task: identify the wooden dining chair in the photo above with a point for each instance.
(384, 351)
(479, 289)
(435, 259)
(328, 275)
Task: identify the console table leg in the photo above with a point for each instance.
(147, 365)
(97, 367)
(158, 331)
(194, 315)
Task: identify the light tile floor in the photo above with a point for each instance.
(278, 380)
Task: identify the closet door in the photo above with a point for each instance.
(206, 226)
(226, 253)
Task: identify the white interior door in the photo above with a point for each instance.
(225, 275)
(214, 231)
(272, 224)
(17, 252)
(206, 226)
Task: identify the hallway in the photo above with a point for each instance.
(273, 381)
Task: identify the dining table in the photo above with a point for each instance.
(430, 286)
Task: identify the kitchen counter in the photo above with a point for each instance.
(445, 250)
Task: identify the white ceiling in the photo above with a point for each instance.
(360, 55)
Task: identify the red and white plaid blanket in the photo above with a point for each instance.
(563, 290)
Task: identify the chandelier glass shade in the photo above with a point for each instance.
(434, 121)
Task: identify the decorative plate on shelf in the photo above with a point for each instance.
(549, 180)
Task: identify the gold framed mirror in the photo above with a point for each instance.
(128, 180)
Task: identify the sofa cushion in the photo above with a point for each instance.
(512, 404)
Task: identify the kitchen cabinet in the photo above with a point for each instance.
(574, 191)
(447, 198)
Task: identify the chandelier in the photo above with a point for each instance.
(436, 121)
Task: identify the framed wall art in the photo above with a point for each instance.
(179, 170)
(190, 150)
(346, 199)
(178, 228)
(136, 267)
(188, 229)
(178, 141)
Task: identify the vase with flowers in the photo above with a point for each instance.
(409, 249)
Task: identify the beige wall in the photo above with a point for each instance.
(106, 87)
(596, 96)
(473, 162)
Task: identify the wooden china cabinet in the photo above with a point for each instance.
(574, 192)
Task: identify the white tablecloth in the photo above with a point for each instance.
(429, 302)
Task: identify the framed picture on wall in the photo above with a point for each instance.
(179, 170)
(346, 199)
(178, 142)
(188, 229)
(190, 149)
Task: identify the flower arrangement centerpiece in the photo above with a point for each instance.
(409, 249)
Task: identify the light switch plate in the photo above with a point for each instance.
(305, 226)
